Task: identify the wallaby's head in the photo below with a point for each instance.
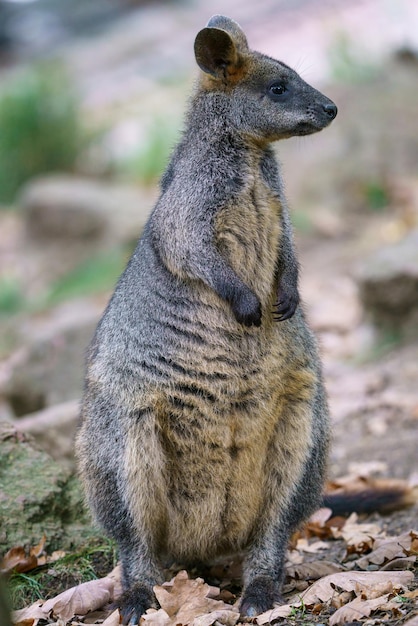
(267, 99)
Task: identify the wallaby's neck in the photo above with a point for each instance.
(211, 118)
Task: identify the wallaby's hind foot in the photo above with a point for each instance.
(134, 602)
(259, 596)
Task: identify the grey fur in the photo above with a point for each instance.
(204, 423)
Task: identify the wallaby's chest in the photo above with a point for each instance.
(248, 235)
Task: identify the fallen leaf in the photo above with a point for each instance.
(228, 618)
(16, 560)
(113, 619)
(357, 609)
(342, 598)
(406, 562)
(311, 548)
(359, 537)
(322, 590)
(294, 557)
(81, 599)
(55, 556)
(321, 516)
(19, 560)
(387, 549)
(375, 590)
(317, 526)
(412, 622)
(155, 618)
(116, 576)
(279, 611)
(28, 616)
(313, 570)
(183, 600)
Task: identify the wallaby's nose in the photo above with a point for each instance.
(331, 110)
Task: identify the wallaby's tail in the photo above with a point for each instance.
(369, 496)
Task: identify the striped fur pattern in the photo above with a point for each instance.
(204, 423)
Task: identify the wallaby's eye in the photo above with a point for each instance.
(277, 90)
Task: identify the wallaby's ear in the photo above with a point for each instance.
(231, 27)
(217, 47)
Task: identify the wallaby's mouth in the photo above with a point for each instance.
(309, 128)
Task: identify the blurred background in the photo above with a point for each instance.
(92, 97)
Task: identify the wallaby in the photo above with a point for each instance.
(204, 421)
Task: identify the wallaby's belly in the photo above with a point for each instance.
(213, 458)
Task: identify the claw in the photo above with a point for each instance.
(284, 309)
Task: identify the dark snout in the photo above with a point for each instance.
(330, 110)
(318, 116)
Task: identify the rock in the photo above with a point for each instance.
(37, 497)
(49, 368)
(388, 282)
(67, 208)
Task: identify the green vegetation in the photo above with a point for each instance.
(40, 127)
(11, 297)
(377, 197)
(96, 275)
(94, 561)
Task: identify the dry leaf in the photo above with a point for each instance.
(155, 618)
(323, 590)
(81, 599)
(356, 609)
(228, 618)
(55, 556)
(304, 546)
(113, 619)
(313, 570)
(406, 562)
(279, 611)
(294, 557)
(28, 616)
(387, 549)
(16, 560)
(412, 622)
(375, 590)
(116, 576)
(183, 600)
(321, 516)
(317, 526)
(342, 598)
(359, 537)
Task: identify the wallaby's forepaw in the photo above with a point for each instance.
(134, 602)
(286, 305)
(259, 596)
(247, 309)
